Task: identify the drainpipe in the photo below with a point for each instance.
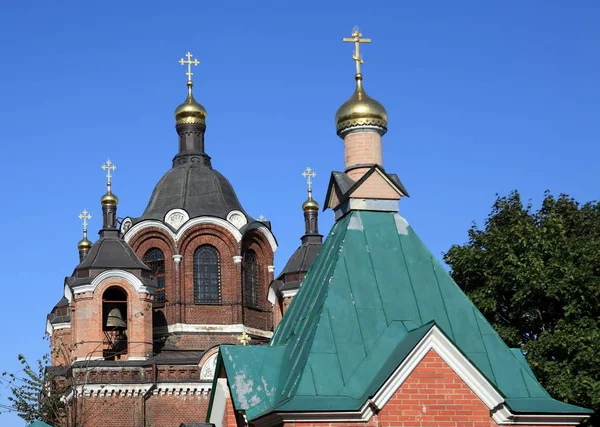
(148, 393)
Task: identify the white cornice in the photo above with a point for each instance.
(135, 390)
(218, 329)
(437, 341)
(134, 281)
(289, 293)
(269, 235)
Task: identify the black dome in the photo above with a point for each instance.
(196, 188)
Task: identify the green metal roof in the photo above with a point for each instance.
(370, 296)
(38, 423)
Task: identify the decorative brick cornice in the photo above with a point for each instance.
(200, 389)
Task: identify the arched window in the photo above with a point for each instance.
(155, 259)
(114, 323)
(251, 279)
(207, 275)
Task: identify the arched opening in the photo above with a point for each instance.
(114, 323)
(155, 259)
(251, 287)
(207, 275)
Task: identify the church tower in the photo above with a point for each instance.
(285, 287)
(138, 328)
(212, 261)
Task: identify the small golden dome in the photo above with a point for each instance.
(310, 204)
(109, 199)
(190, 112)
(360, 110)
(84, 244)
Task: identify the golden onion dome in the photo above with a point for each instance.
(190, 112)
(84, 244)
(360, 110)
(109, 199)
(310, 205)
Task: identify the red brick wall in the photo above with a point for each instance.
(109, 411)
(167, 411)
(161, 411)
(362, 148)
(179, 281)
(229, 419)
(86, 321)
(432, 396)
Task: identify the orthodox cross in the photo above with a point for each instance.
(244, 339)
(308, 174)
(189, 64)
(261, 219)
(108, 167)
(356, 39)
(85, 216)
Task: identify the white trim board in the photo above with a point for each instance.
(218, 329)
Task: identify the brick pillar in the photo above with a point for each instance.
(361, 147)
(238, 313)
(177, 287)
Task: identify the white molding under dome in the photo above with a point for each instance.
(140, 226)
(237, 218)
(176, 218)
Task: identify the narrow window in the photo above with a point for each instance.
(114, 323)
(155, 260)
(251, 279)
(207, 275)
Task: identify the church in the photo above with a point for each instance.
(175, 317)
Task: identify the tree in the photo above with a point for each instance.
(535, 275)
(37, 394)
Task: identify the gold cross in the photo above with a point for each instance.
(261, 218)
(189, 63)
(85, 216)
(244, 339)
(108, 166)
(308, 174)
(356, 39)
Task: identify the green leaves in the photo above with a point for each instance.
(36, 393)
(535, 275)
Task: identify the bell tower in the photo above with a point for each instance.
(107, 296)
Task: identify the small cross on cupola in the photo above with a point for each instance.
(84, 244)
(109, 201)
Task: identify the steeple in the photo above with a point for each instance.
(311, 211)
(84, 244)
(190, 122)
(361, 121)
(109, 203)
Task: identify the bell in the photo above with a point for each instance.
(115, 319)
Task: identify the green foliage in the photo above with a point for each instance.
(36, 393)
(535, 275)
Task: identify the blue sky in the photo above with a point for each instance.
(482, 97)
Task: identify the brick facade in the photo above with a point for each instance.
(361, 148)
(86, 322)
(106, 396)
(161, 411)
(432, 396)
